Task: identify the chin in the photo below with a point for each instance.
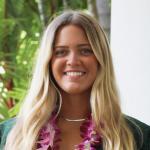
(76, 90)
(73, 91)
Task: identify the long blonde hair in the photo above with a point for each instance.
(42, 95)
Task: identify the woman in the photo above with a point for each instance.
(72, 103)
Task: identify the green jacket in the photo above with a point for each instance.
(6, 126)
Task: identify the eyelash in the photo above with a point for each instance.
(63, 52)
(60, 52)
(86, 51)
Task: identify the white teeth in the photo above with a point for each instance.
(74, 73)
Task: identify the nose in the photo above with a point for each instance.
(73, 59)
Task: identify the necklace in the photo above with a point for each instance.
(73, 120)
(49, 136)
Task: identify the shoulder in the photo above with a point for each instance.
(5, 127)
(141, 132)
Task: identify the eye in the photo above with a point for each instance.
(60, 52)
(86, 51)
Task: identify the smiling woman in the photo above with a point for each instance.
(72, 103)
(74, 65)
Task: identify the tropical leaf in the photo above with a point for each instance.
(20, 29)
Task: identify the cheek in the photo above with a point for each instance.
(94, 67)
(57, 68)
(52, 67)
(93, 64)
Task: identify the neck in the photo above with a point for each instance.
(75, 106)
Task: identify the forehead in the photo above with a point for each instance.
(70, 34)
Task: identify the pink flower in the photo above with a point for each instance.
(50, 136)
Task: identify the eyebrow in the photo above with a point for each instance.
(84, 44)
(78, 45)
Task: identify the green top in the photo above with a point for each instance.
(134, 124)
(5, 127)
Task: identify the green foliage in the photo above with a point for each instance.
(21, 25)
(20, 35)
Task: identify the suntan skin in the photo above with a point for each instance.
(73, 53)
(71, 130)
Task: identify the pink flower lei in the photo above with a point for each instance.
(49, 136)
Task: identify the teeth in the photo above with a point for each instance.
(74, 73)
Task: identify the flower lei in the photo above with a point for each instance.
(49, 136)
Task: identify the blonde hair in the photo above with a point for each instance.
(42, 95)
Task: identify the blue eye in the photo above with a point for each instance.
(86, 51)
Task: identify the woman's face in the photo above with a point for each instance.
(74, 65)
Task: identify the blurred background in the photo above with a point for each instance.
(21, 26)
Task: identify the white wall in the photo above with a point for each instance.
(130, 43)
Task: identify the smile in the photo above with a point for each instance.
(74, 74)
